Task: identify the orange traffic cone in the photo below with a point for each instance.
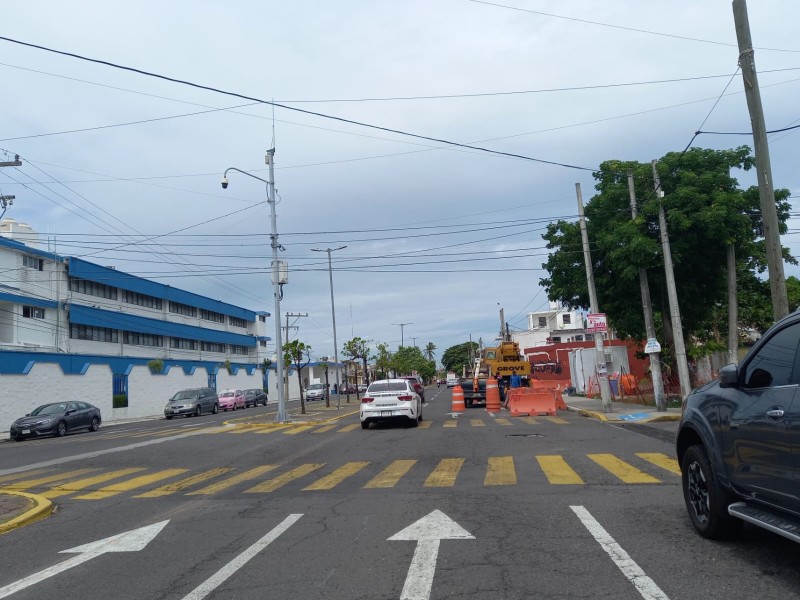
(492, 396)
(458, 399)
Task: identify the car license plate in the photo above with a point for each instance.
(386, 413)
(176, 410)
(24, 431)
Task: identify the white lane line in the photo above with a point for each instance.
(643, 584)
(218, 578)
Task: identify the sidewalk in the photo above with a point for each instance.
(621, 411)
(19, 508)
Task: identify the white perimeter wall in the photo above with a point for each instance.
(147, 393)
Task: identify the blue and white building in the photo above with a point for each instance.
(69, 327)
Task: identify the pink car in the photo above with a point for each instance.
(231, 400)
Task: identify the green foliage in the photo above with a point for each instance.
(156, 367)
(227, 366)
(265, 365)
(455, 358)
(119, 400)
(429, 350)
(409, 360)
(293, 353)
(382, 360)
(356, 349)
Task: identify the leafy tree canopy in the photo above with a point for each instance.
(409, 360)
(455, 358)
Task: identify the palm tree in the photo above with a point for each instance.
(429, 350)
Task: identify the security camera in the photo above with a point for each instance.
(224, 183)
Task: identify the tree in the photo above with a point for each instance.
(409, 360)
(356, 349)
(293, 354)
(429, 350)
(706, 211)
(458, 357)
(382, 360)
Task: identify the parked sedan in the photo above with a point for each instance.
(58, 419)
(231, 400)
(192, 402)
(390, 399)
(255, 397)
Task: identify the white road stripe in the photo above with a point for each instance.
(218, 578)
(643, 584)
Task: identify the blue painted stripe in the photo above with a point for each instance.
(29, 301)
(19, 246)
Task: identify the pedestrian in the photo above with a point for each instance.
(516, 380)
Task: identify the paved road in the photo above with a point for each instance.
(526, 508)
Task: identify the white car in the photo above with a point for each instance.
(388, 400)
(316, 391)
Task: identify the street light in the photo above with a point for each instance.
(277, 273)
(333, 313)
(401, 331)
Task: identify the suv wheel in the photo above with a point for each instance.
(706, 502)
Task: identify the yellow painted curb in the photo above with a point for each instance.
(664, 418)
(592, 414)
(42, 507)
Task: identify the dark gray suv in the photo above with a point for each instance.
(192, 402)
(739, 438)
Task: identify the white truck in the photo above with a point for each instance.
(452, 379)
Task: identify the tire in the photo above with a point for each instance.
(95, 424)
(706, 501)
(364, 425)
(18, 438)
(215, 410)
(198, 411)
(61, 429)
(168, 417)
(468, 403)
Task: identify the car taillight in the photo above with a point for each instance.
(405, 398)
(366, 400)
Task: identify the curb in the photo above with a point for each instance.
(42, 507)
(658, 418)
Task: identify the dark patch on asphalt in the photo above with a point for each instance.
(524, 435)
(665, 435)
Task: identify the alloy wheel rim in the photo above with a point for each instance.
(697, 487)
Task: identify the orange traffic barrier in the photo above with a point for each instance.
(492, 396)
(458, 399)
(525, 401)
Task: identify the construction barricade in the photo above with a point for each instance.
(531, 402)
(458, 400)
(557, 386)
(492, 396)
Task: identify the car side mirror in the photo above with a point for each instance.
(729, 376)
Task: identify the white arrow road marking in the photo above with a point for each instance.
(218, 578)
(428, 532)
(643, 584)
(130, 541)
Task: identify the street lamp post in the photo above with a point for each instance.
(333, 314)
(401, 331)
(280, 417)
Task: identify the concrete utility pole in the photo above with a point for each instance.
(12, 163)
(401, 325)
(672, 294)
(647, 307)
(766, 193)
(333, 313)
(602, 367)
(733, 307)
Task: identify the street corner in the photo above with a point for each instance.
(593, 414)
(18, 509)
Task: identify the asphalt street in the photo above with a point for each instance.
(468, 507)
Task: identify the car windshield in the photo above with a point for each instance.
(184, 395)
(387, 386)
(227, 394)
(50, 409)
(316, 386)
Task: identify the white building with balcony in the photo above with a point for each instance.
(554, 325)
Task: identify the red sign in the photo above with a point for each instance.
(596, 323)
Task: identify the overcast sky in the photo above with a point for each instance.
(437, 237)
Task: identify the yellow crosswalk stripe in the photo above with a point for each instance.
(177, 486)
(300, 429)
(231, 481)
(335, 478)
(661, 460)
(451, 423)
(557, 471)
(30, 483)
(130, 484)
(500, 471)
(156, 432)
(281, 480)
(14, 476)
(324, 429)
(502, 421)
(275, 429)
(619, 468)
(82, 484)
(391, 474)
(557, 420)
(529, 420)
(477, 423)
(347, 428)
(248, 428)
(445, 473)
(425, 425)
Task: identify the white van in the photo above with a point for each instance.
(452, 380)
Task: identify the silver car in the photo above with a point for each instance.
(192, 402)
(389, 400)
(316, 391)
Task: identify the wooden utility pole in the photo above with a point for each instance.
(766, 192)
(649, 324)
(672, 294)
(602, 367)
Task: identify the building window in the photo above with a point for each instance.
(239, 350)
(134, 338)
(556, 340)
(237, 322)
(182, 309)
(262, 318)
(92, 288)
(93, 334)
(589, 337)
(262, 343)
(31, 262)
(120, 390)
(32, 312)
(212, 347)
(542, 321)
(567, 319)
(578, 338)
(210, 315)
(141, 299)
(182, 344)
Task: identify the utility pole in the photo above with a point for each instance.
(602, 368)
(413, 342)
(401, 331)
(766, 193)
(649, 324)
(333, 313)
(6, 201)
(672, 294)
(13, 163)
